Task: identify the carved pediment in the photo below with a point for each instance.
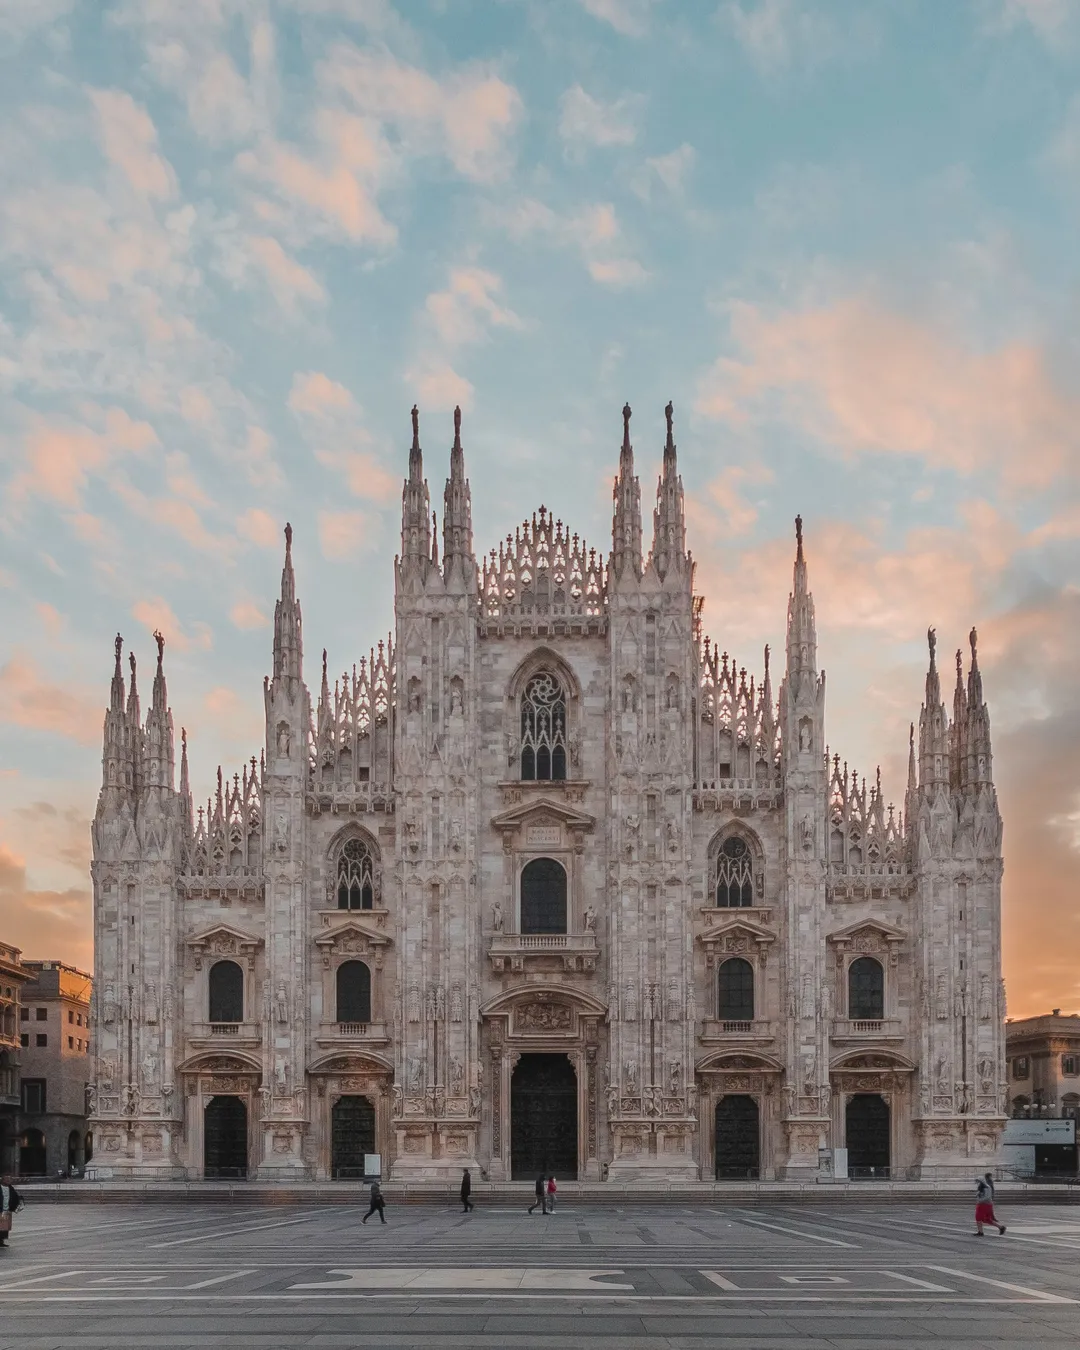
(736, 937)
(545, 811)
(351, 1064)
(223, 940)
(870, 937)
(353, 936)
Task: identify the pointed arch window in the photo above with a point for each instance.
(734, 874)
(355, 876)
(543, 729)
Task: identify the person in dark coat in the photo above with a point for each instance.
(378, 1204)
(541, 1195)
(10, 1203)
(466, 1191)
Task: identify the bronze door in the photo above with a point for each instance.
(225, 1141)
(867, 1136)
(352, 1134)
(543, 1118)
(738, 1139)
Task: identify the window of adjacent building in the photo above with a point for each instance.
(1020, 1067)
(543, 896)
(71, 1018)
(543, 729)
(42, 1014)
(355, 876)
(24, 1040)
(226, 987)
(1069, 1065)
(24, 1014)
(71, 1042)
(78, 1019)
(1070, 1105)
(734, 874)
(33, 1096)
(866, 990)
(353, 992)
(41, 1041)
(735, 987)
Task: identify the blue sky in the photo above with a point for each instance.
(239, 240)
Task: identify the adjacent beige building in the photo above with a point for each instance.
(55, 1054)
(13, 976)
(1043, 1059)
(548, 880)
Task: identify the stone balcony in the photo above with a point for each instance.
(215, 1035)
(351, 1035)
(866, 1031)
(517, 952)
(715, 1031)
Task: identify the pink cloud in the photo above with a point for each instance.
(61, 458)
(347, 534)
(259, 527)
(157, 616)
(288, 279)
(867, 380)
(458, 313)
(246, 614)
(45, 923)
(316, 394)
(129, 140)
(439, 386)
(28, 698)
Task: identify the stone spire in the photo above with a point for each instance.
(801, 625)
(187, 820)
(911, 795)
(626, 522)
(669, 524)
(158, 748)
(980, 762)
(457, 513)
(933, 726)
(958, 729)
(115, 751)
(416, 506)
(288, 641)
(768, 712)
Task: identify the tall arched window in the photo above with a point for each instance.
(866, 990)
(543, 729)
(226, 981)
(355, 876)
(353, 992)
(735, 986)
(543, 897)
(734, 874)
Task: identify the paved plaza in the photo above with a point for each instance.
(855, 1275)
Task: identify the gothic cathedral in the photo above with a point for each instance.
(547, 882)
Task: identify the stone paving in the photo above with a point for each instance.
(586, 1278)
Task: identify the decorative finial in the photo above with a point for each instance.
(131, 659)
(911, 734)
(415, 427)
(288, 537)
(959, 664)
(626, 426)
(457, 428)
(669, 413)
(183, 739)
(118, 647)
(931, 641)
(973, 638)
(159, 638)
(798, 531)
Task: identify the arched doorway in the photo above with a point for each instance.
(867, 1136)
(738, 1139)
(225, 1142)
(32, 1157)
(543, 1118)
(352, 1134)
(74, 1151)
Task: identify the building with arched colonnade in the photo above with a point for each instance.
(547, 881)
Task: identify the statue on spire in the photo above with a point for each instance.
(457, 428)
(288, 537)
(973, 638)
(626, 426)
(118, 647)
(931, 642)
(669, 413)
(415, 427)
(159, 638)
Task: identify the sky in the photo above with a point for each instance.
(240, 238)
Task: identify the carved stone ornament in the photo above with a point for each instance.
(540, 1016)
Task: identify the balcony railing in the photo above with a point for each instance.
(867, 1029)
(511, 951)
(352, 1028)
(736, 1029)
(224, 1028)
(333, 1033)
(236, 1033)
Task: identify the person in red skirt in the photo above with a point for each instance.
(984, 1205)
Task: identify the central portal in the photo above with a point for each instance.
(352, 1135)
(543, 1118)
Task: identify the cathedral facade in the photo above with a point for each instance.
(547, 882)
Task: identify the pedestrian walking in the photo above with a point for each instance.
(10, 1204)
(541, 1195)
(551, 1195)
(466, 1191)
(984, 1205)
(378, 1204)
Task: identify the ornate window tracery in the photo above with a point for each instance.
(355, 876)
(543, 729)
(734, 874)
(866, 990)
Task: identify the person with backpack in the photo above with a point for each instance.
(984, 1205)
(541, 1195)
(378, 1204)
(10, 1204)
(551, 1188)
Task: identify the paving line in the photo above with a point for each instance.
(1004, 1284)
(235, 1232)
(810, 1237)
(407, 1296)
